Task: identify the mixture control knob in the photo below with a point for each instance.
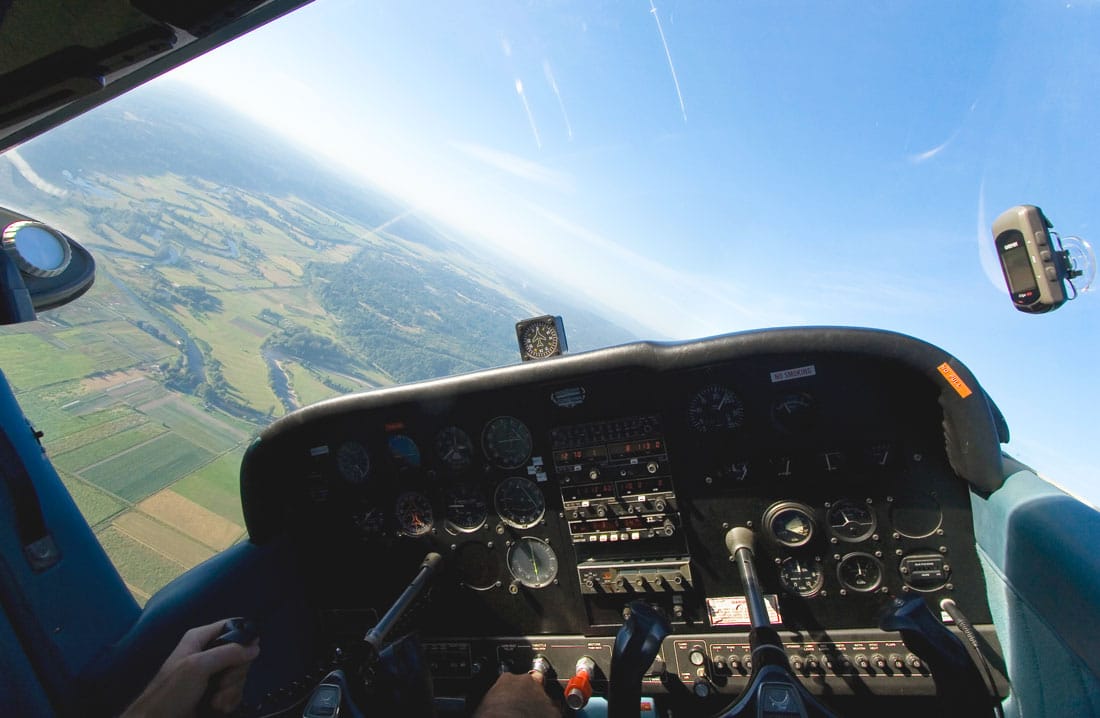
(735, 662)
(915, 663)
(697, 657)
(811, 662)
(701, 688)
(579, 688)
(897, 661)
(878, 662)
(862, 661)
(797, 663)
(746, 661)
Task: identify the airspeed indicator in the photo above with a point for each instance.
(715, 408)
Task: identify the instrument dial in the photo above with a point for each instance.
(802, 576)
(414, 513)
(532, 562)
(851, 521)
(715, 408)
(466, 508)
(860, 572)
(795, 413)
(370, 521)
(353, 462)
(507, 442)
(789, 523)
(404, 451)
(519, 502)
(540, 340)
(454, 448)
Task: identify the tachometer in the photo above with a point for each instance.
(414, 513)
(790, 524)
(851, 521)
(533, 562)
(715, 408)
(353, 462)
(802, 576)
(507, 442)
(860, 572)
(466, 508)
(519, 502)
(454, 448)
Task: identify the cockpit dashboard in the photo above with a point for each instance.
(560, 491)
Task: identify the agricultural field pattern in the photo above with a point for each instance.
(229, 291)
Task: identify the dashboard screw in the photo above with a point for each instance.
(748, 524)
(836, 557)
(725, 525)
(454, 547)
(943, 549)
(843, 592)
(778, 561)
(898, 552)
(895, 535)
(904, 570)
(949, 586)
(939, 532)
(824, 592)
(828, 504)
(917, 457)
(874, 537)
(906, 589)
(833, 540)
(869, 500)
(708, 480)
(946, 567)
(889, 499)
(878, 554)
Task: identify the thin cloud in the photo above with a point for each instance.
(527, 109)
(554, 86)
(517, 166)
(671, 67)
(929, 154)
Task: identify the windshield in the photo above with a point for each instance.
(358, 196)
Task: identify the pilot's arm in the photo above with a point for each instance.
(515, 696)
(181, 683)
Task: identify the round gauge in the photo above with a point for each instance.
(353, 462)
(917, 516)
(789, 523)
(454, 448)
(404, 451)
(860, 572)
(414, 513)
(478, 566)
(370, 522)
(715, 408)
(795, 413)
(507, 442)
(802, 576)
(532, 562)
(466, 508)
(519, 502)
(851, 521)
(540, 340)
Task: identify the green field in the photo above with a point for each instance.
(141, 566)
(30, 362)
(216, 486)
(150, 467)
(208, 431)
(106, 447)
(96, 505)
(92, 434)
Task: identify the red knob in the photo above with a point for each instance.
(578, 690)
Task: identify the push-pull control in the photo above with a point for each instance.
(579, 688)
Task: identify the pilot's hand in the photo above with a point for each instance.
(513, 696)
(181, 683)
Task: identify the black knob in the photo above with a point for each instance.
(701, 688)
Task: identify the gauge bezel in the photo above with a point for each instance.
(696, 414)
(402, 526)
(844, 537)
(795, 423)
(491, 448)
(342, 455)
(509, 519)
(819, 568)
(542, 583)
(462, 439)
(779, 507)
(860, 554)
(470, 492)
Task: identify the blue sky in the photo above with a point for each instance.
(809, 164)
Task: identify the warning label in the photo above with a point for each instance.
(796, 373)
(734, 610)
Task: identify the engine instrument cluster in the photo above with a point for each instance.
(559, 493)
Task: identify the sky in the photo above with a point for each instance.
(697, 168)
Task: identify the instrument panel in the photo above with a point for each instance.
(558, 494)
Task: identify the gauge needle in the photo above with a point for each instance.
(534, 563)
